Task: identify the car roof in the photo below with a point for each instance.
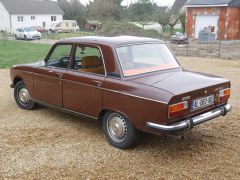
(110, 41)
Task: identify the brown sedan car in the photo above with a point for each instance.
(130, 84)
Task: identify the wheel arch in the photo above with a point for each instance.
(104, 110)
(16, 80)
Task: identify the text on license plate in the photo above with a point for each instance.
(202, 102)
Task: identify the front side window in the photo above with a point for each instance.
(60, 56)
(20, 18)
(88, 59)
(143, 58)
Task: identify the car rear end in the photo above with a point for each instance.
(195, 107)
(196, 97)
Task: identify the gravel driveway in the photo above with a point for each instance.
(45, 143)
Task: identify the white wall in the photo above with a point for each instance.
(39, 19)
(4, 18)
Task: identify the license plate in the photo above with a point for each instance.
(202, 102)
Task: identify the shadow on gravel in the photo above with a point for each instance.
(192, 142)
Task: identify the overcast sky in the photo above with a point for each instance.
(159, 2)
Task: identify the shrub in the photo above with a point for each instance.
(113, 28)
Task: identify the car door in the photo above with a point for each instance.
(82, 85)
(21, 33)
(48, 79)
(17, 33)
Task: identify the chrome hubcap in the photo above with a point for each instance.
(23, 95)
(117, 128)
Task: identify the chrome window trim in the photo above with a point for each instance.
(90, 73)
(132, 95)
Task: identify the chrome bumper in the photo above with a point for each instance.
(191, 122)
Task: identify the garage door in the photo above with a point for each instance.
(203, 21)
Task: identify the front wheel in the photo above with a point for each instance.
(22, 96)
(119, 131)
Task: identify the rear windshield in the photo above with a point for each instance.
(143, 58)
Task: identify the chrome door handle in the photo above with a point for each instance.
(99, 83)
(60, 75)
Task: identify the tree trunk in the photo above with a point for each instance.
(171, 28)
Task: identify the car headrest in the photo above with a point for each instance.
(90, 61)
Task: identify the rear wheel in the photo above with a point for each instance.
(25, 38)
(119, 131)
(22, 96)
(16, 37)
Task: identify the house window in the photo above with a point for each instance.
(32, 17)
(53, 18)
(20, 19)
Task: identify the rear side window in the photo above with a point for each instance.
(88, 59)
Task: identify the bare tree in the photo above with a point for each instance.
(73, 9)
(142, 11)
(166, 18)
(104, 9)
(162, 16)
(173, 20)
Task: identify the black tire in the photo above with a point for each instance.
(129, 137)
(25, 38)
(16, 37)
(26, 103)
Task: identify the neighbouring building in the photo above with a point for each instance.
(25, 13)
(223, 16)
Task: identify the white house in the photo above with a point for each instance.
(25, 13)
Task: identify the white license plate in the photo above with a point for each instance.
(202, 102)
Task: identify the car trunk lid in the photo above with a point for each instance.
(180, 82)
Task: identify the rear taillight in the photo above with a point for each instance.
(224, 94)
(178, 109)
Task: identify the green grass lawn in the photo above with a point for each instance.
(17, 52)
